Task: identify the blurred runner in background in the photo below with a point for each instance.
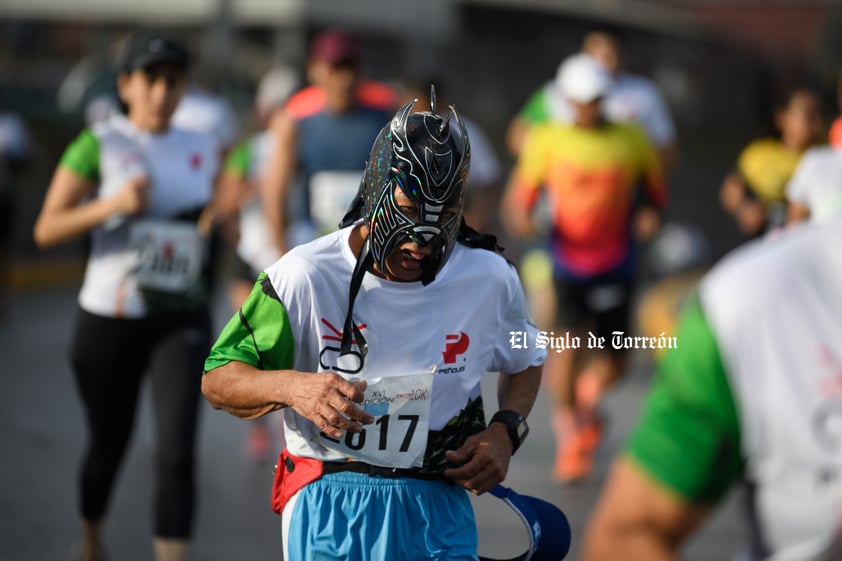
(322, 139)
(814, 191)
(255, 245)
(752, 393)
(144, 191)
(592, 171)
(633, 98)
(754, 194)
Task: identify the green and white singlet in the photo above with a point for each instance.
(160, 250)
(754, 391)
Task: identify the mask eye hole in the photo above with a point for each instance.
(447, 215)
(405, 204)
(410, 211)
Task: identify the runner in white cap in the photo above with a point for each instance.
(605, 189)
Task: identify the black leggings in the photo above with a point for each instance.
(109, 357)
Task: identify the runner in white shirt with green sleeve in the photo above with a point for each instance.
(753, 392)
(380, 383)
(143, 191)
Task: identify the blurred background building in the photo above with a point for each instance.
(718, 63)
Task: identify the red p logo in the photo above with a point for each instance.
(457, 343)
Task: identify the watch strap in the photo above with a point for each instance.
(515, 424)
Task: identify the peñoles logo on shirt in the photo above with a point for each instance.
(329, 358)
(455, 345)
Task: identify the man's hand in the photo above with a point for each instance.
(328, 400)
(483, 459)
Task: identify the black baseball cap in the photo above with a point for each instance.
(148, 48)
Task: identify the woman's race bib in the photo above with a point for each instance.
(170, 254)
(398, 437)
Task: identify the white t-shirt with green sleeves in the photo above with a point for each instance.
(453, 330)
(754, 391)
(181, 167)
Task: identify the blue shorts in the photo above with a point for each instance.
(356, 517)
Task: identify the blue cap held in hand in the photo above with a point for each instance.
(548, 528)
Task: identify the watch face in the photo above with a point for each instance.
(522, 430)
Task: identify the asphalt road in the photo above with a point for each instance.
(42, 436)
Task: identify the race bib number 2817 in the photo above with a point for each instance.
(398, 437)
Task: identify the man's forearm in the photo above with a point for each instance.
(242, 390)
(517, 392)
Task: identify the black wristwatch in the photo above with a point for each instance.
(515, 424)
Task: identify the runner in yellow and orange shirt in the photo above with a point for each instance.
(605, 189)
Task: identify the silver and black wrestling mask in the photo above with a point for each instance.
(427, 156)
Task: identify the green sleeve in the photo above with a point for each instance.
(536, 110)
(238, 161)
(82, 156)
(258, 334)
(688, 436)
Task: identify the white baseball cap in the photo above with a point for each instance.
(581, 78)
(275, 87)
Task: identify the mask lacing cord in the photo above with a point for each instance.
(351, 332)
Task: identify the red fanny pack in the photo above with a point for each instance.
(291, 474)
